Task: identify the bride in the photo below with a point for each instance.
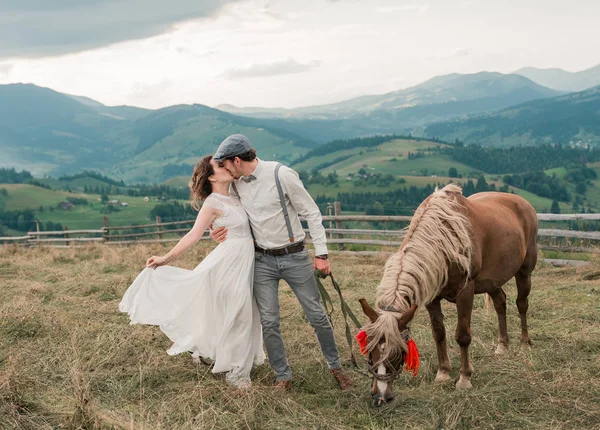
(209, 311)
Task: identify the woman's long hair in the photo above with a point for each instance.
(200, 186)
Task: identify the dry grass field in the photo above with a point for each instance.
(69, 359)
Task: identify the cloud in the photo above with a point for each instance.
(40, 28)
(461, 52)
(5, 69)
(142, 92)
(284, 67)
(413, 7)
(455, 53)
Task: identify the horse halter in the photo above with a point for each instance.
(388, 377)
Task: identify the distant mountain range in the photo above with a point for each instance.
(45, 131)
(495, 89)
(561, 80)
(573, 118)
(405, 111)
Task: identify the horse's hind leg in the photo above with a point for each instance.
(436, 317)
(499, 298)
(523, 278)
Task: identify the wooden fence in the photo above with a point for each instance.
(166, 232)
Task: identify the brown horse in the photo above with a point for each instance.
(454, 248)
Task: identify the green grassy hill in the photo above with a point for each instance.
(90, 216)
(379, 166)
(541, 204)
(193, 139)
(25, 196)
(388, 158)
(430, 166)
(47, 132)
(76, 184)
(177, 181)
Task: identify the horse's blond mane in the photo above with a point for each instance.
(438, 235)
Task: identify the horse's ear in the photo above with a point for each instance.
(368, 310)
(407, 317)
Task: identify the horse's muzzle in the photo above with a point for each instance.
(379, 400)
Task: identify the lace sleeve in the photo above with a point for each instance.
(215, 203)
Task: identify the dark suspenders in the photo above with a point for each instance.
(286, 215)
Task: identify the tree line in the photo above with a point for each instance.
(401, 201)
(11, 176)
(24, 221)
(519, 159)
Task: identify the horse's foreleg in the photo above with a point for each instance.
(523, 289)
(436, 317)
(464, 307)
(499, 298)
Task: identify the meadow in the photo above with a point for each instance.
(90, 216)
(69, 359)
(389, 158)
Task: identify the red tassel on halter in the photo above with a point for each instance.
(361, 338)
(412, 357)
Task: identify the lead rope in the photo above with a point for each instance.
(346, 312)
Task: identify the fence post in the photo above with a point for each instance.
(67, 243)
(159, 226)
(106, 235)
(37, 229)
(330, 213)
(337, 208)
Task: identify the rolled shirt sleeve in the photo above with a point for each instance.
(305, 206)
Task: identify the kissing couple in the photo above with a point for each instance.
(228, 305)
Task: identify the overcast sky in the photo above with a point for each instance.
(287, 53)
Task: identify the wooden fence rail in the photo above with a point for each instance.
(153, 225)
(339, 235)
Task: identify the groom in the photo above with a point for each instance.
(280, 251)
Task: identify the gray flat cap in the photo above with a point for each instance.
(236, 144)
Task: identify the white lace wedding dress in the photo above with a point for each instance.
(210, 310)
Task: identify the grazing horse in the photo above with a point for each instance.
(454, 248)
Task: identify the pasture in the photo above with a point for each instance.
(90, 216)
(69, 359)
(391, 158)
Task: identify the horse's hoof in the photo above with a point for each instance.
(442, 377)
(463, 384)
(526, 344)
(501, 349)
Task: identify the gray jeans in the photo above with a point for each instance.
(297, 270)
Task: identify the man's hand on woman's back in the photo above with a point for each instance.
(219, 234)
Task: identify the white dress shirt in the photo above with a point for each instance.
(260, 199)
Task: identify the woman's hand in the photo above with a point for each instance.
(154, 262)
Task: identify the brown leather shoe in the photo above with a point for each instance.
(342, 379)
(284, 385)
